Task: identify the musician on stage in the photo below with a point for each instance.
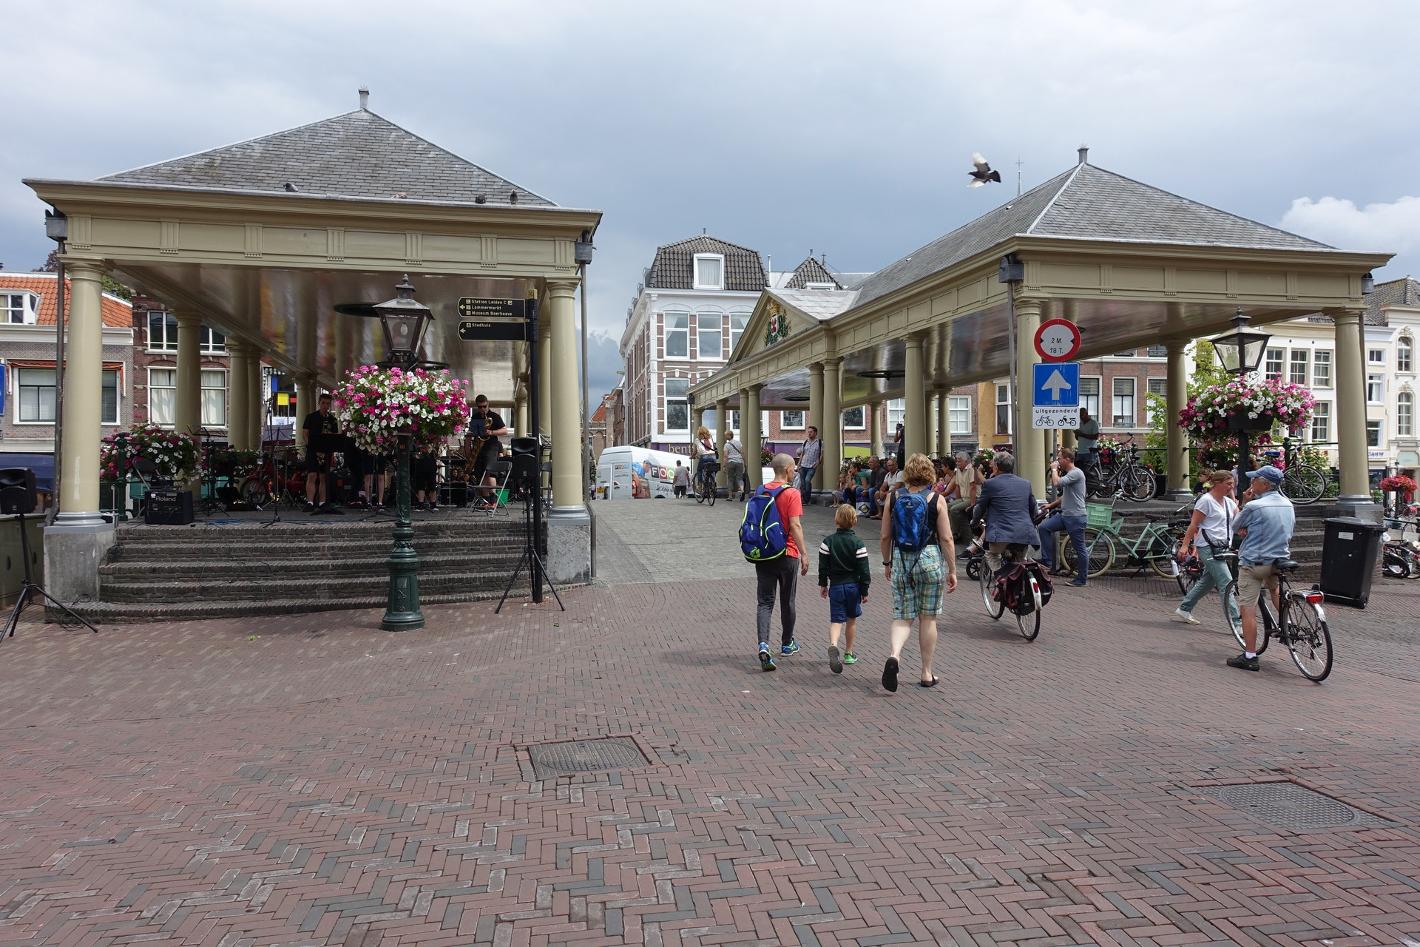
(322, 441)
(489, 448)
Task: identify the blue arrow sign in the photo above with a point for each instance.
(1056, 385)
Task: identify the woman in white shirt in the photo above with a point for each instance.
(1209, 535)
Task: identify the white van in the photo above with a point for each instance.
(627, 472)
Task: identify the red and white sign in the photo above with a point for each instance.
(1057, 340)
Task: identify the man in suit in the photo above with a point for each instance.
(1008, 506)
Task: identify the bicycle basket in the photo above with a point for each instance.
(1101, 516)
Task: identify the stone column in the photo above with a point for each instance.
(257, 418)
(750, 433)
(914, 399)
(831, 427)
(1029, 443)
(1176, 444)
(722, 422)
(305, 403)
(697, 421)
(815, 418)
(874, 411)
(187, 412)
(545, 369)
(569, 525)
(1355, 498)
(75, 545)
(238, 392)
(944, 425)
(520, 411)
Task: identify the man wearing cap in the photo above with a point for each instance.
(1266, 523)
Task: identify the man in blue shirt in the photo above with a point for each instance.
(1266, 523)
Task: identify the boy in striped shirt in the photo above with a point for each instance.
(843, 577)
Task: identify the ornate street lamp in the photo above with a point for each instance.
(404, 321)
(1240, 352)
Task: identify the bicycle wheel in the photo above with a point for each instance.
(1308, 637)
(699, 490)
(1099, 549)
(988, 583)
(1029, 624)
(709, 489)
(1139, 484)
(1160, 556)
(1265, 624)
(1303, 483)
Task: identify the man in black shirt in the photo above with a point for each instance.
(322, 440)
(493, 427)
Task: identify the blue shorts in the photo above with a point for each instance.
(844, 602)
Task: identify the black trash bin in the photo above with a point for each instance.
(1348, 560)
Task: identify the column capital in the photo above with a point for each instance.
(816, 368)
(562, 287)
(1036, 303)
(755, 388)
(1346, 315)
(1176, 346)
(915, 339)
(83, 267)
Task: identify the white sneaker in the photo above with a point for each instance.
(1182, 616)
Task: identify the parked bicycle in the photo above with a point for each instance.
(1120, 471)
(1029, 598)
(705, 484)
(1156, 546)
(1301, 482)
(1297, 619)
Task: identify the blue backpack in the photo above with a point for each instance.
(762, 535)
(912, 526)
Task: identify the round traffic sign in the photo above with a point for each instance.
(1057, 340)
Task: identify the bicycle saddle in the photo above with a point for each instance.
(1154, 519)
(1286, 565)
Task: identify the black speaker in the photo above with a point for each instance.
(17, 490)
(524, 445)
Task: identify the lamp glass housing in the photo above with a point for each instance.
(1241, 350)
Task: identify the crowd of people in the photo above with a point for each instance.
(929, 510)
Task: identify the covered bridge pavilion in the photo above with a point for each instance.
(263, 238)
(1131, 265)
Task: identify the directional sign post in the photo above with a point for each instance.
(1055, 401)
(492, 320)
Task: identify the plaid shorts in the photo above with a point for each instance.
(917, 590)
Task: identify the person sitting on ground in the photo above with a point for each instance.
(862, 486)
(1007, 505)
(961, 496)
(920, 560)
(1069, 502)
(844, 575)
(1266, 523)
(681, 480)
(892, 479)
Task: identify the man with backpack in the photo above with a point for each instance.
(772, 537)
(920, 560)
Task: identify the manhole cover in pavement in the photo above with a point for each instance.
(585, 756)
(1291, 806)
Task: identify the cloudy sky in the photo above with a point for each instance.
(841, 127)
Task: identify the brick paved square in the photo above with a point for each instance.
(312, 780)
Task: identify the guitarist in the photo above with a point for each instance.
(488, 447)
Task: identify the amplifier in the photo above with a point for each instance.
(168, 508)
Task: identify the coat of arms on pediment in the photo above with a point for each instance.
(777, 329)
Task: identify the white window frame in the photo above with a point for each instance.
(735, 333)
(667, 398)
(1317, 374)
(154, 387)
(117, 373)
(1405, 355)
(718, 333)
(1375, 384)
(1114, 413)
(784, 424)
(1085, 402)
(959, 405)
(1304, 362)
(1003, 400)
(202, 379)
(1321, 416)
(1379, 428)
(1405, 413)
(695, 271)
(1375, 357)
(1150, 384)
(167, 345)
(28, 308)
(896, 413)
(666, 331)
(862, 410)
(206, 346)
(1268, 361)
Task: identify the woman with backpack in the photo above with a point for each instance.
(919, 559)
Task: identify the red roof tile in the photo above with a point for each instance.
(117, 313)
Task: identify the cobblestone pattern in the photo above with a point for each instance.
(311, 780)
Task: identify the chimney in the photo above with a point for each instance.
(364, 98)
(1084, 151)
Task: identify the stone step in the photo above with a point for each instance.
(311, 588)
(150, 569)
(129, 612)
(202, 535)
(309, 549)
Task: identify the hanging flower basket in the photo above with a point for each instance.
(1249, 422)
(1241, 405)
(174, 456)
(377, 407)
(1399, 484)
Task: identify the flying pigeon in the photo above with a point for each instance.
(983, 172)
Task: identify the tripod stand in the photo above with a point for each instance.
(30, 590)
(530, 558)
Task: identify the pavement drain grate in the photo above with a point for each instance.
(585, 756)
(1291, 806)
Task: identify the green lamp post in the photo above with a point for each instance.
(404, 321)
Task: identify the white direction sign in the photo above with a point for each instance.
(1048, 417)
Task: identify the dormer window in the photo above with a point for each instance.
(820, 286)
(709, 271)
(19, 309)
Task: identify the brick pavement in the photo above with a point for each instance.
(311, 780)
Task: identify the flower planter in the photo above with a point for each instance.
(1241, 422)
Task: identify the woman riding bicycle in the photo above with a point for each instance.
(707, 458)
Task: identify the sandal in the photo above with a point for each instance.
(890, 675)
(932, 683)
